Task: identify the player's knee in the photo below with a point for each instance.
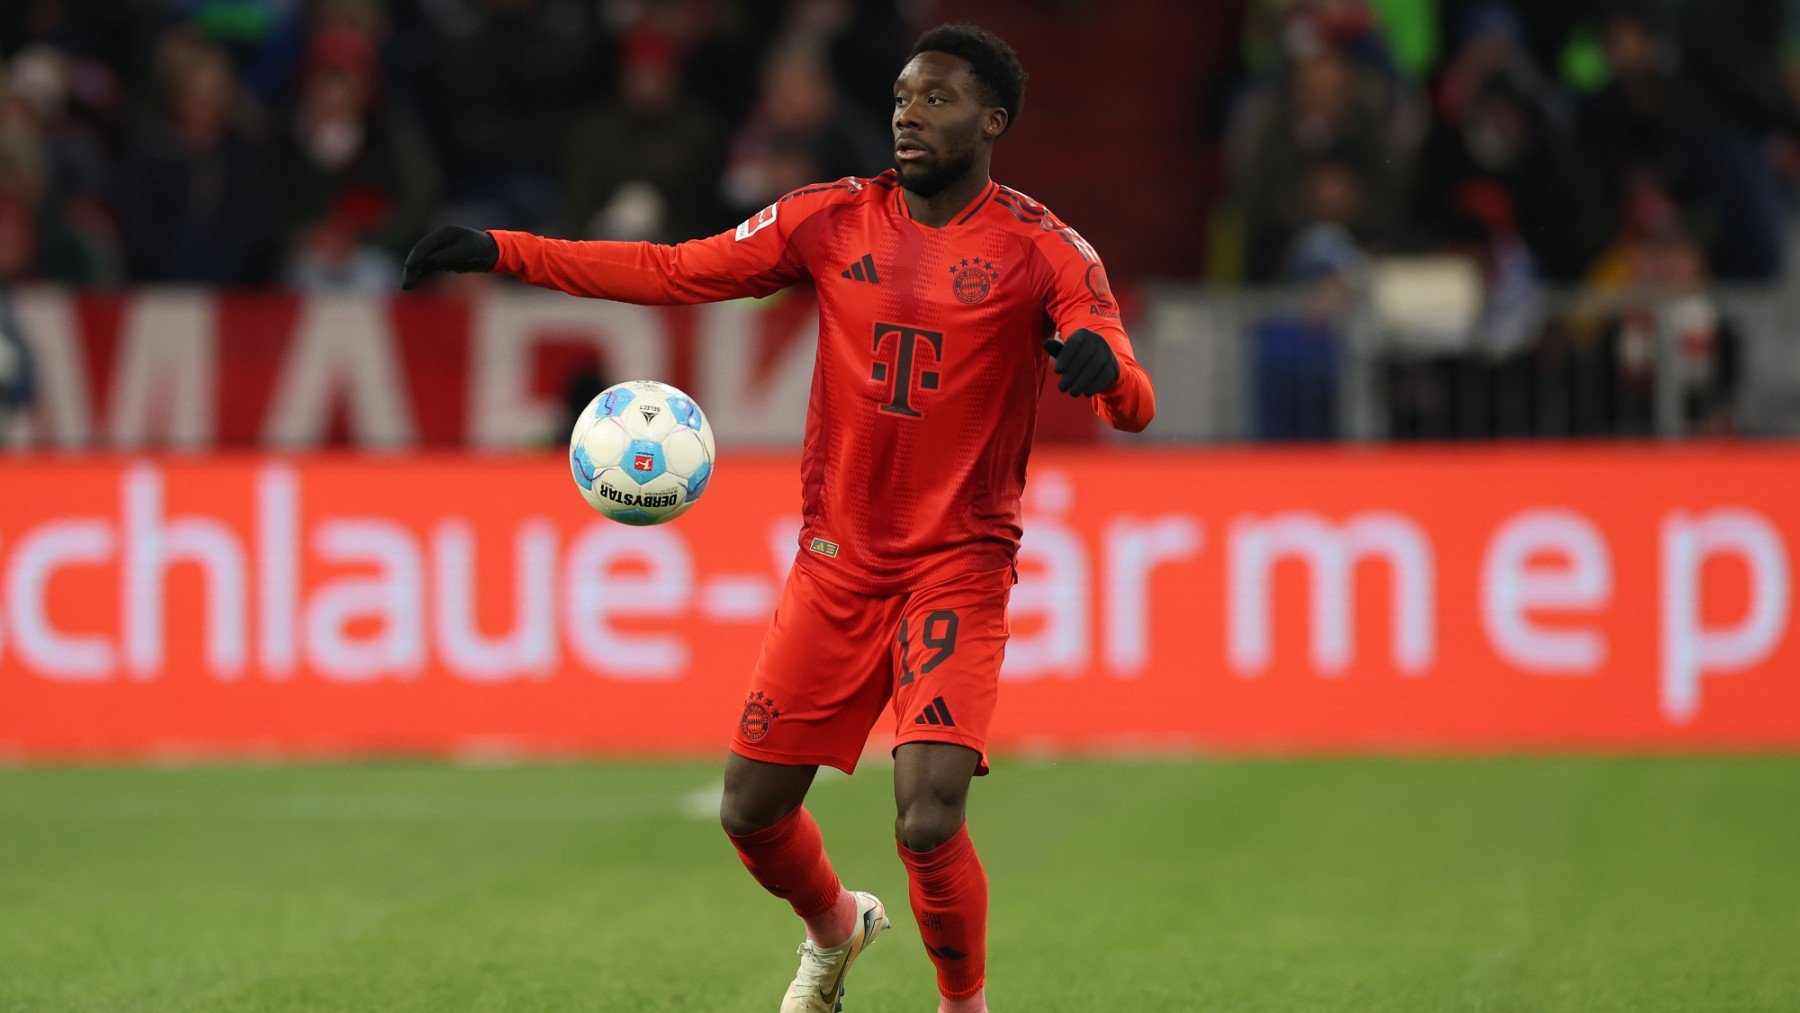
(740, 815)
(923, 825)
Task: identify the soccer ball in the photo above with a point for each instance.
(642, 452)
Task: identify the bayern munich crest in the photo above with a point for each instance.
(759, 714)
(973, 279)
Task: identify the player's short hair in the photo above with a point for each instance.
(990, 59)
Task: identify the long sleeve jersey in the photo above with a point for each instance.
(930, 358)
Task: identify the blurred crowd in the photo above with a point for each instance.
(1611, 145)
(1550, 135)
(1621, 146)
(310, 142)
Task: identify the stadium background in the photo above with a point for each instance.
(1471, 327)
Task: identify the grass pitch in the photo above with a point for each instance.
(1354, 885)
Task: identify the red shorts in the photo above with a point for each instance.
(833, 657)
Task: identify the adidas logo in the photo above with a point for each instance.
(937, 712)
(862, 270)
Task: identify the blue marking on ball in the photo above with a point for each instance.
(635, 517)
(697, 484)
(583, 468)
(643, 461)
(613, 402)
(686, 412)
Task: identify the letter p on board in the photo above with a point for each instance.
(1690, 649)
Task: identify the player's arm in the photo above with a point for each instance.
(1091, 353)
(755, 259)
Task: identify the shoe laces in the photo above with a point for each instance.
(819, 964)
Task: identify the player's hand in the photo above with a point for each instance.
(1085, 362)
(451, 248)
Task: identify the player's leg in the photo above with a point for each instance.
(931, 793)
(948, 886)
(759, 794)
(948, 652)
(780, 844)
(817, 689)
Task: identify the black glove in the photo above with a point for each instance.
(451, 248)
(1085, 362)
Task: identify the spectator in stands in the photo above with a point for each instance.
(726, 53)
(1299, 354)
(263, 38)
(103, 37)
(642, 166)
(862, 41)
(195, 200)
(798, 134)
(1484, 227)
(1475, 385)
(355, 177)
(1668, 294)
(1324, 141)
(1497, 120)
(73, 102)
(501, 85)
(1277, 32)
(1636, 131)
(1732, 60)
(39, 239)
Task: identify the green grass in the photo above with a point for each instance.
(1355, 885)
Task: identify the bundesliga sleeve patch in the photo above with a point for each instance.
(756, 223)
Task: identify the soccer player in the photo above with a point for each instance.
(939, 291)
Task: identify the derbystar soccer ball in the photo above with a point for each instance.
(642, 452)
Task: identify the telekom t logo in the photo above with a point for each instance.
(907, 339)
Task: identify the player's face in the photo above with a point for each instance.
(940, 123)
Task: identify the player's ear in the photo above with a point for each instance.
(994, 124)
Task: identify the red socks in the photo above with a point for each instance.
(950, 901)
(788, 859)
(948, 887)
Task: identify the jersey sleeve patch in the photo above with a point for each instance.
(757, 222)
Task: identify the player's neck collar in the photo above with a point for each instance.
(960, 216)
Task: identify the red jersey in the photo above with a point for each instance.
(930, 359)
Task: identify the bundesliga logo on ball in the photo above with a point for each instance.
(641, 452)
